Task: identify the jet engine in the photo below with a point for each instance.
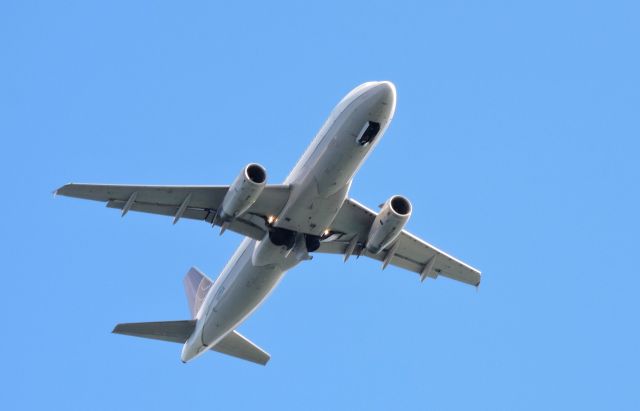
(243, 192)
(388, 223)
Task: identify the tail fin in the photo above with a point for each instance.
(173, 331)
(196, 285)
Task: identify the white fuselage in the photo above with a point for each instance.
(319, 183)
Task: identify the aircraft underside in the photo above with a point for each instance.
(283, 224)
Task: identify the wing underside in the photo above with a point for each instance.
(408, 251)
(192, 202)
(353, 222)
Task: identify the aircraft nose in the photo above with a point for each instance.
(383, 95)
(384, 91)
(386, 87)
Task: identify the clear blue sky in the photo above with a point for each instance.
(516, 137)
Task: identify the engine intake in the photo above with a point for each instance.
(388, 224)
(244, 191)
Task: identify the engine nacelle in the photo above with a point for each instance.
(243, 192)
(388, 223)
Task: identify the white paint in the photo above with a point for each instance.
(320, 183)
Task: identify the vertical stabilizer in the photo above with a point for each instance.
(196, 285)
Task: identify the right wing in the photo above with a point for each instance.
(194, 202)
(409, 252)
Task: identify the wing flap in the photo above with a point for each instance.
(161, 209)
(249, 225)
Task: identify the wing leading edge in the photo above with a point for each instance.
(408, 251)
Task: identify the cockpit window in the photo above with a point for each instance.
(368, 133)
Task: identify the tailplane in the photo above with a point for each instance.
(196, 286)
(233, 344)
(237, 345)
(172, 331)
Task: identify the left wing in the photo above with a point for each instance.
(352, 225)
(194, 202)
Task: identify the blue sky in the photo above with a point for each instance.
(516, 137)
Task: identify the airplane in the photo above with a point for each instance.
(283, 225)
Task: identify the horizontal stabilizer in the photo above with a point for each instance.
(173, 331)
(191, 202)
(237, 345)
(233, 344)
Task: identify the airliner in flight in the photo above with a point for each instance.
(284, 224)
